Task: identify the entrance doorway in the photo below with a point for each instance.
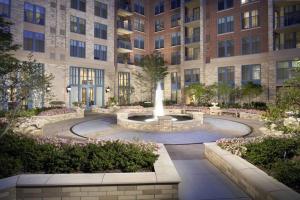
(87, 96)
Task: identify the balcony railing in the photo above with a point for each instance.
(287, 20)
(192, 39)
(192, 57)
(124, 25)
(192, 18)
(124, 44)
(124, 61)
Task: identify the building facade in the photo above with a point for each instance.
(95, 46)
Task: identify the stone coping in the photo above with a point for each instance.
(251, 179)
(164, 173)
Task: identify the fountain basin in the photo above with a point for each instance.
(136, 121)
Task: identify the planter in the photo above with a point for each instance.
(34, 125)
(252, 180)
(161, 184)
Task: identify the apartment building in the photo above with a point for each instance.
(93, 47)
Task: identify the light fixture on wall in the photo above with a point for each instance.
(48, 88)
(68, 88)
(107, 89)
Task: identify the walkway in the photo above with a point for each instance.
(201, 179)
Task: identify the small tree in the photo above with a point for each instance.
(153, 71)
(251, 90)
(203, 94)
(224, 92)
(19, 80)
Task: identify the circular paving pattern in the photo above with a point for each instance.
(212, 130)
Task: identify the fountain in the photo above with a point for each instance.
(160, 120)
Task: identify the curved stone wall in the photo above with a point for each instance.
(163, 124)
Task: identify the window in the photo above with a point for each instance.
(175, 4)
(78, 5)
(159, 25)
(175, 20)
(175, 86)
(226, 75)
(250, 19)
(285, 70)
(159, 7)
(251, 73)
(225, 24)
(124, 88)
(139, 25)
(101, 9)
(139, 42)
(250, 45)
(100, 52)
(159, 42)
(225, 4)
(77, 25)
(5, 8)
(247, 1)
(137, 59)
(225, 48)
(191, 76)
(34, 14)
(77, 49)
(175, 58)
(175, 37)
(33, 41)
(292, 40)
(291, 15)
(139, 7)
(100, 31)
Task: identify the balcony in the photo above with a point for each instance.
(191, 3)
(191, 57)
(192, 21)
(288, 22)
(124, 10)
(124, 28)
(124, 46)
(192, 41)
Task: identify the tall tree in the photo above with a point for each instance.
(19, 80)
(153, 71)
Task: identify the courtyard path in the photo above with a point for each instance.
(200, 179)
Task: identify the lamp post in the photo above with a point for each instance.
(68, 88)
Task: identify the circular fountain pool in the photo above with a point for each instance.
(149, 118)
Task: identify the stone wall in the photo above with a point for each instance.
(35, 124)
(163, 124)
(161, 184)
(248, 177)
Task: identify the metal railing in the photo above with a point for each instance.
(124, 44)
(192, 18)
(287, 20)
(192, 39)
(124, 25)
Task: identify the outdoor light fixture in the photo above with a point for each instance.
(107, 89)
(68, 88)
(48, 88)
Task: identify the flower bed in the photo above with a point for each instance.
(278, 156)
(22, 154)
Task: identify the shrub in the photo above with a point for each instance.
(20, 154)
(255, 105)
(271, 150)
(169, 102)
(287, 172)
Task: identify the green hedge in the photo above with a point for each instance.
(279, 157)
(21, 154)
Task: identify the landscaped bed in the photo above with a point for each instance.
(277, 156)
(22, 154)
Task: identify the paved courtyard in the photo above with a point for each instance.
(200, 179)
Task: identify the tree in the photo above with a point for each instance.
(19, 80)
(224, 92)
(153, 71)
(202, 94)
(251, 90)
